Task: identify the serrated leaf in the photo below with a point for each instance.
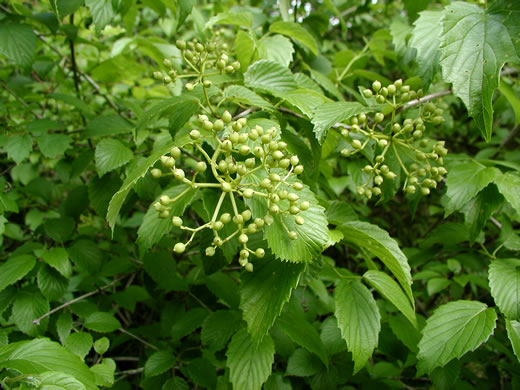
(454, 329)
(243, 95)
(102, 322)
(15, 268)
(390, 290)
(111, 154)
(27, 307)
(358, 319)
(58, 259)
(303, 363)
(104, 372)
(296, 32)
(504, 281)
(40, 355)
(378, 242)
(53, 145)
(18, 147)
(53, 380)
(79, 343)
(306, 100)
(479, 209)
(64, 326)
(245, 45)
(51, 284)
(276, 48)
(18, 43)
(475, 44)
(187, 322)
(218, 327)
(264, 292)
(244, 19)
(509, 185)
(249, 365)
(271, 77)
(158, 363)
(86, 255)
(426, 39)
(101, 345)
(513, 332)
(327, 115)
(153, 228)
(101, 11)
(104, 125)
(464, 181)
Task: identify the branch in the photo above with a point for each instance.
(138, 338)
(58, 308)
(425, 99)
(12, 93)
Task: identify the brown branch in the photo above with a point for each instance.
(426, 99)
(138, 338)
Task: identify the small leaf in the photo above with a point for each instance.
(243, 95)
(18, 43)
(18, 147)
(378, 242)
(101, 11)
(101, 345)
(104, 125)
(454, 329)
(296, 32)
(53, 145)
(358, 319)
(111, 154)
(27, 307)
(276, 48)
(513, 332)
(271, 77)
(264, 292)
(102, 322)
(479, 209)
(15, 268)
(509, 185)
(51, 284)
(58, 259)
(244, 19)
(104, 372)
(79, 343)
(249, 366)
(158, 363)
(504, 281)
(303, 363)
(187, 322)
(327, 115)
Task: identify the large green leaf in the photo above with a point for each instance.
(53, 380)
(105, 125)
(51, 284)
(509, 185)
(111, 154)
(243, 95)
(264, 292)
(249, 366)
(27, 307)
(276, 48)
(504, 281)
(153, 228)
(475, 44)
(388, 288)
(296, 32)
(18, 43)
(235, 18)
(102, 322)
(40, 355)
(15, 268)
(426, 39)
(101, 11)
(465, 180)
(158, 363)
(327, 115)
(79, 343)
(513, 332)
(453, 330)
(58, 259)
(358, 319)
(18, 147)
(271, 77)
(53, 145)
(378, 242)
(306, 100)
(218, 327)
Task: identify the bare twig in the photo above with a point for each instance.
(13, 94)
(426, 98)
(58, 308)
(200, 302)
(138, 338)
(283, 109)
(244, 113)
(131, 372)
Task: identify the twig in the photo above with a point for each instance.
(200, 302)
(244, 113)
(426, 99)
(283, 109)
(58, 308)
(131, 372)
(75, 70)
(138, 339)
(12, 93)
(495, 222)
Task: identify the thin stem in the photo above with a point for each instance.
(425, 99)
(399, 159)
(138, 338)
(351, 62)
(13, 94)
(219, 205)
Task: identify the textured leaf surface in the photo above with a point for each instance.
(40, 355)
(102, 322)
(58, 259)
(378, 242)
(453, 330)
(504, 281)
(276, 48)
(306, 100)
(18, 43)
(27, 307)
(249, 366)
(513, 332)
(218, 327)
(269, 76)
(475, 44)
(358, 319)
(14, 269)
(327, 115)
(235, 18)
(296, 32)
(243, 95)
(264, 292)
(79, 343)
(509, 185)
(52, 145)
(158, 363)
(101, 11)
(111, 154)
(19, 147)
(52, 380)
(388, 288)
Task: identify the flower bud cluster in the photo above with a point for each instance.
(246, 163)
(423, 161)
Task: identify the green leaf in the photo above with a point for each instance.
(51, 284)
(58, 259)
(101, 11)
(303, 363)
(158, 363)
(102, 322)
(18, 43)
(218, 327)
(63, 8)
(18, 147)
(245, 45)
(306, 100)
(163, 270)
(276, 48)
(40, 355)
(264, 292)
(249, 366)
(464, 181)
(504, 281)
(327, 115)
(271, 77)
(27, 307)
(512, 98)
(453, 330)
(111, 154)
(426, 39)
(513, 332)
(358, 319)
(390, 290)
(153, 228)
(15, 268)
(244, 19)
(101, 345)
(296, 32)
(185, 7)
(104, 372)
(64, 326)
(478, 210)
(86, 255)
(243, 95)
(187, 322)
(53, 380)
(378, 242)
(79, 343)
(105, 125)
(53, 145)
(475, 44)
(509, 185)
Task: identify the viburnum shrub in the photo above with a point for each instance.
(250, 195)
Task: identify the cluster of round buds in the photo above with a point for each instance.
(423, 162)
(246, 163)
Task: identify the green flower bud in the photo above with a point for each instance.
(227, 145)
(218, 225)
(200, 166)
(268, 219)
(244, 253)
(379, 117)
(248, 267)
(250, 162)
(294, 160)
(378, 180)
(225, 218)
(178, 174)
(259, 222)
(218, 125)
(392, 89)
(265, 183)
(294, 210)
(167, 162)
(194, 134)
(376, 86)
(299, 220)
(258, 151)
(164, 214)
(244, 150)
(156, 173)
(292, 197)
(226, 117)
(189, 87)
(398, 83)
(367, 93)
(238, 220)
(260, 253)
(242, 169)
(246, 214)
(380, 99)
(277, 155)
(218, 241)
(293, 235)
(175, 152)
(275, 209)
(199, 47)
(251, 228)
(181, 45)
(179, 247)
(236, 65)
(210, 251)
(298, 170)
(226, 187)
(248, 193)
(177, 221)
(165, 200)
(243, 261)
(304, 205)
(284, 163)
(356, 144)
(242, 138)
